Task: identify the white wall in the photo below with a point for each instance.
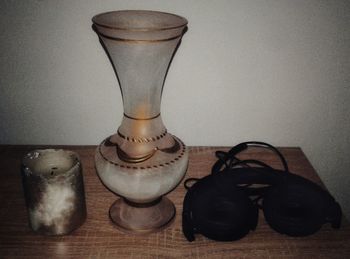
(276, 71)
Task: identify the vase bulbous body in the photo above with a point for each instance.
(142, 161)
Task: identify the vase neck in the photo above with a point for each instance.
(141, 68)
(140, 45)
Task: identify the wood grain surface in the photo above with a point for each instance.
(98, 238)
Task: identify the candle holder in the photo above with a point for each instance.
(54, 191)
(142, 161)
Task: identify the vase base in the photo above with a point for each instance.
(141, 218)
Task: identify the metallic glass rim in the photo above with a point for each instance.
(136, 41)
(141, 29)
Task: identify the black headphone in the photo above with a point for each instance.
(224, 205)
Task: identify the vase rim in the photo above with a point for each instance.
(177, 20)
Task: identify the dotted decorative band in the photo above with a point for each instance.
(142, 139)
(150, 166)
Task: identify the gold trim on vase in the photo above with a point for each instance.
(173, 149)
(131, 159)
(142, 139)
(124, 156)
(140, 29)
(183, 151)
(141, 119)
(137, 41)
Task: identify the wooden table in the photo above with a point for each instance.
(98, 238)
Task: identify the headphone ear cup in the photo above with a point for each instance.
(296, 208)
(218, 209)
(187, 224)
(226, 218)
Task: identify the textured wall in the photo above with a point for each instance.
(277, 71)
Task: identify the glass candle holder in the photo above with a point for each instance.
(54, 191)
